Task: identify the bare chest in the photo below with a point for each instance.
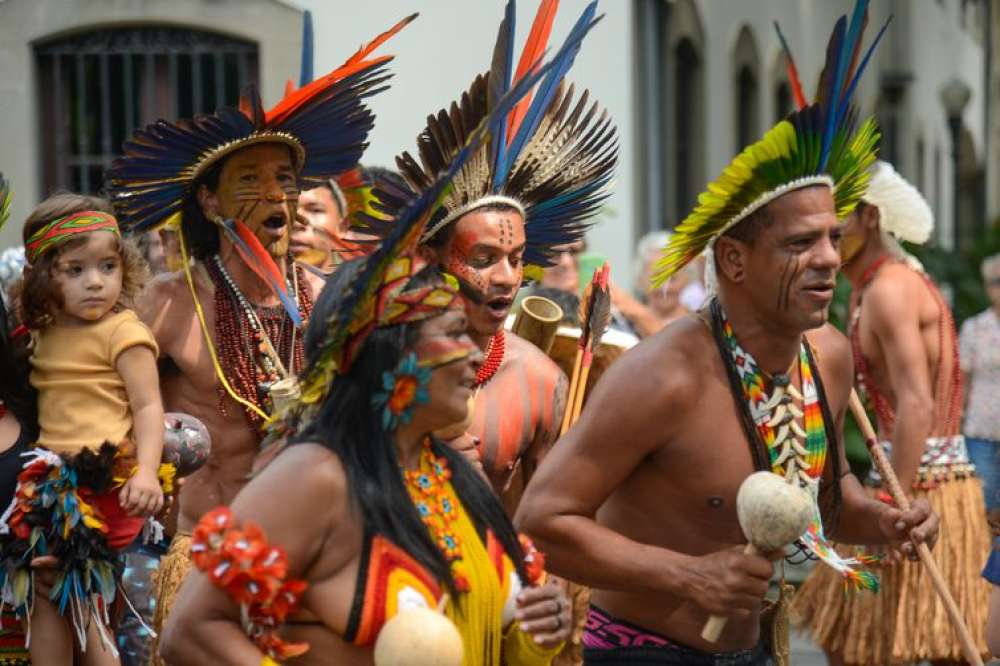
(509, 414)
(683, 496)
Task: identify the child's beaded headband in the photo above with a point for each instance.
(61, 229)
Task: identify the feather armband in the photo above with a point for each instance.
(253, 573)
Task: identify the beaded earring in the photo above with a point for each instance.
(404, 388)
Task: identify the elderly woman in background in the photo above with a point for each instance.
(979, 347)
(661, 305)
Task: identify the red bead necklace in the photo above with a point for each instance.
(494, 357)
(948, 390)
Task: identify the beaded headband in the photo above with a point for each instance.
(61, 229)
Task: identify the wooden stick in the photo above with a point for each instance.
(571, 395)
(902, 501)
(716, 623)
(581, 390)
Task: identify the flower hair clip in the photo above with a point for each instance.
(403, 389)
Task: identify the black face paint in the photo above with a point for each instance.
(791, 271)
(469, 291)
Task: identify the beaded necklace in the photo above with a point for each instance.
(253, 339)
(494, 357)
(797, 451)
(437, 505)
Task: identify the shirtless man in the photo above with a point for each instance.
(906, 357)
(497, 222)
(638, 501)
(189, 379)
(230, 346)
(665, 548)
(518, 409)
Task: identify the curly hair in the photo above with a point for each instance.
(37, 297)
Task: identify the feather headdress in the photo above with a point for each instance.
(551, 159)
(325, 124)
(377, 296)
(903, 211)
(818, 144)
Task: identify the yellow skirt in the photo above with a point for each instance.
(905, 621)
(174, 568)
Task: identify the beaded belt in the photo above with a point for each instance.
(943, 458)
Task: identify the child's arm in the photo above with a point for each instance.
(137, 366)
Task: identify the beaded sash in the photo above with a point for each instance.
(795, 451)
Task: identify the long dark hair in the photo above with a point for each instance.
(15, 389)
(350, 426)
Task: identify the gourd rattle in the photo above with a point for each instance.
(772, 513)
(419, 637)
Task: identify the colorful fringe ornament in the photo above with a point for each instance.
(52, 514)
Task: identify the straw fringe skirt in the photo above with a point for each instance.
(905, 621)
(174, 568)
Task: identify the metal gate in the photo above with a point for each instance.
(95, 88)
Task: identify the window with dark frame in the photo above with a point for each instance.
(687, 64)
(782, 101)
(746, 107)
(95, 88)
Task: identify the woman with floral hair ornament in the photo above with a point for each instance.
(385, 517)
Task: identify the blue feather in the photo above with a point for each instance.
(830, 96)
(306, 71)
(844, 59)
(845, 103)
(503, 55)
(560, 64)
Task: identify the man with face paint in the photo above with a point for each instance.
(905, 351)
(229, 324)
(319, 222)
(503, 223)
(638, 500)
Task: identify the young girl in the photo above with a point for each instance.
(86, 490)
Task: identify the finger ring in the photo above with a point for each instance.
(559, 620)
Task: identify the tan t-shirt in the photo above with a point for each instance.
(81, 397)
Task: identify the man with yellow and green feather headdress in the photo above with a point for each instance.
(643, 509)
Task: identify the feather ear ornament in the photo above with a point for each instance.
(819, 144)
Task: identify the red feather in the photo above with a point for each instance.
(793, 78)
(531, 55)
(354, 64)
(260, 262)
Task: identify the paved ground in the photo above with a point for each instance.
(804, 653)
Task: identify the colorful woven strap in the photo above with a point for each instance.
(61, 229)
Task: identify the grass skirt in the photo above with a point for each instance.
(174, 568)
(906, 621)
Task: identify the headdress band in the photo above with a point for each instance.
(61, 229)
(481, 202)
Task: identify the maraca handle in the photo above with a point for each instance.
(716, 623)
